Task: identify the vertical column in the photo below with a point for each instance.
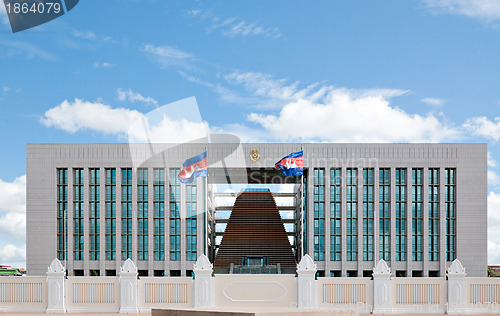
(203, 283)
(55, 287)
(306, 271)
(128, 288)
(456, 288)
(343, 220)
(382, 288)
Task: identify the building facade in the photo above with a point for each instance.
(417, 206)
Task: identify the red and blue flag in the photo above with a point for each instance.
(292, 165)
(193, 168)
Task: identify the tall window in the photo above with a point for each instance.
(433, 214)
(126, 213)
(78, 214)
(159, 215)
(142, 216)
(110, 214)
(62, 213)
(95, 213)
(400, 214)
(191, 223)
(450, 210)
(335, 214)
(368, 214)
(319, 214)
(175, 215)
(417, 214)
(384, 181)
(351, 214)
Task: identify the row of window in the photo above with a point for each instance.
(384, 213)
(126, 214)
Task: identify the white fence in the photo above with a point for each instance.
(84, 294)
(454, 294)
(345, 293)
(23, 294)
(165, 293)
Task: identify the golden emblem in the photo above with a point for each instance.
(254, 155)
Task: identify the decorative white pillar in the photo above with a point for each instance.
(456, 288)
(128, 288)
(55, 287)
(306, 290)
(203, 283)
(382, 288)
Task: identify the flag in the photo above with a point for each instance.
(193, 168)
(291, 165)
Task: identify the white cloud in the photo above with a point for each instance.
(342, 117)
(493, 178)
(14, 225)
(233, 27)
(13, 195)
(433, 101)
(482, 126)
(494, 210)
(487, 10)
(133, 97)
(99, 64)
(81, 115)
(491, 161)
(493, 253)
(13, 255)
(168, 56)
(157, 127)
(91, 36)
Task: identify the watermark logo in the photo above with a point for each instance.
(25, 14)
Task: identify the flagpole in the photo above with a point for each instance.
(206, 206)
(302, 204)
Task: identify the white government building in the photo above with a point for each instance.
(417, 206)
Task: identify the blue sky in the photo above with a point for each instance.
(338, 71)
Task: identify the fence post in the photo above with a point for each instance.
(128, 288)
(456, 288)
(55, 287)
(382, 288)
(306, 290)
(203, 283)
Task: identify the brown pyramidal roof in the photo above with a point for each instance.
(255, 229)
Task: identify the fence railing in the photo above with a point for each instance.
(418, 294)
(165, 293)
(127, 293)
(24, 294)
(93, 294)
(345, 293)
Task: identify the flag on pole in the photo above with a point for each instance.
(292, 165)
(193, 168)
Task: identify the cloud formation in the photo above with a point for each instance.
(13, 225)
(433, 101)
(169, 56)
(135, 97)
(99, 64)
(81, 115)
(13, 195)
(482, 126)
(487, 10)
(234, 27)
(13, 255)
(326, 113)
